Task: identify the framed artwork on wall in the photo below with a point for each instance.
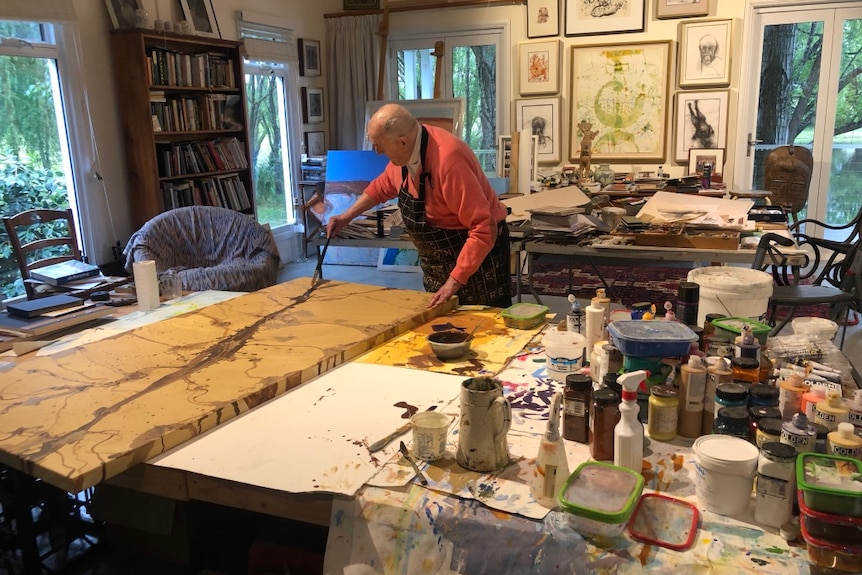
(122, 12)
(315, 143)
(504, 156)
(309, 57)
(441, 112)
(622, 91)
(681, 8)
(312, 105)
(704, 53)
(699, 157)
(200, 14)
(588, 17)
(542, 117)
(543, 18)
(539, 70)
(701, 121)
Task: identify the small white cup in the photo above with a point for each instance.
(430, 430)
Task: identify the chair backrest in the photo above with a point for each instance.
(788, 176)
(40, 238)
(769, 258)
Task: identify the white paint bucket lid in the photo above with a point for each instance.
(726, 454)
(732, 279)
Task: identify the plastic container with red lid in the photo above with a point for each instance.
(664, 521)
(837, 529)
(834, 556)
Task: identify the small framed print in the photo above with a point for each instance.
(312, 105)
(504, 156)
(588, 17)
(701, 121)
(699, 158)
(543, 18)
(681, 8)
(122, 12)
(542, 117)
(200, 14)
(539, 67)
(309, 57)
(315, 143)
(704, 53)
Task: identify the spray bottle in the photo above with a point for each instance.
(629, 432)
(552, 467)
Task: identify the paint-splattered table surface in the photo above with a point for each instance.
(466, 522)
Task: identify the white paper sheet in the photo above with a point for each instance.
(668, 206)
(557, 197)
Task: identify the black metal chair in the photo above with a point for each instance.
(790, 293)
(826, 256)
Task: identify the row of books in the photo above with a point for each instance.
(314, 168)
(219, 155)
(222, 191)
(188, 114)
(205, 69)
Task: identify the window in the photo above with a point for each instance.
(41, 159)
(472, 62)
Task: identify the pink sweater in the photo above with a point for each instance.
(458, 196)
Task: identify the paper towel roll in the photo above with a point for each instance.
(595, 324)
(146, 284)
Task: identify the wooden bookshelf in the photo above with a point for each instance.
(183, 113)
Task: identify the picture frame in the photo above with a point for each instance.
(586, 17)
(539, 69)
(504, 156)
(122, 13)
(542, 117)
(361, 4)
(697, 156)
(446, 113)
(665, 9)
(312, 105)
(309, 57)
(704, 53)
(701, 121)
(622, 90)
(543, 18)
(315, 143)
(200, 14)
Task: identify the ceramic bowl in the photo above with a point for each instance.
(448, 345)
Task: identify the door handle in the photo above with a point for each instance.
(751, 144)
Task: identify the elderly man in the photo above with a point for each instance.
(453, 215)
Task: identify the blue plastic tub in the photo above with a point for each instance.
(651, 338)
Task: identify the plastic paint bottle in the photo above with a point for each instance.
(692, 393)
(811, 398)
(718, 372)
(790, 393)
(604, 302)
(798, 433)
(552, 466)
(574, 319)
(629, 432)
(844, 442)
(595, 318)
(855, 407)
(830, 412)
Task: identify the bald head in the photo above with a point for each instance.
(393, 132)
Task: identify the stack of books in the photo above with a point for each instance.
(314, 169)
(64, 272)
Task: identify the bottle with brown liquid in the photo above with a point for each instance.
(576, 407)
(604, 416)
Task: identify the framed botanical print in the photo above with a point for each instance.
(312, 105)
(543, 18)
(542, 117)
(621, 90)
(701, 121)
(589, 17)
(681, 8)
(539, 70)
(704, 53)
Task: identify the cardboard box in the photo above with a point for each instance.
(681, 237)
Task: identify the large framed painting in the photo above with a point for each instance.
(704, 53)
(621, 90)
(444, 113)
(542, 117)
(539, 71)
(589, 17)
(701, 121)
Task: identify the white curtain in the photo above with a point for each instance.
(352, 50)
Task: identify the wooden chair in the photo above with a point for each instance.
(40, 238)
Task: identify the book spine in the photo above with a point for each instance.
(63, 280)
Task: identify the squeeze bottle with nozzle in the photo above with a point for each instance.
(552, 467)
(629, 432)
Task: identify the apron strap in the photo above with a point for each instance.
(424, 175)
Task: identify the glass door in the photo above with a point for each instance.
(804, 90)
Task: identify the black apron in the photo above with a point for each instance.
(439, 249)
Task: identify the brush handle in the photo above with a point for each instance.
(381, 443)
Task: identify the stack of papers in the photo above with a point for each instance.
(570, 220)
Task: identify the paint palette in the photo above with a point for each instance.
(665, 521)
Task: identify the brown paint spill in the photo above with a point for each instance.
(646, 551)
(411, 409)
(678, 461)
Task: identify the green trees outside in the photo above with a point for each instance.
(267, 157)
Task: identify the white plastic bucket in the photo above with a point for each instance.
(724, 473)
(564, 350)
(731, 291)
(819, 328)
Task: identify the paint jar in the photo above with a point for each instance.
(830, 412)
(810, 398)
(776, 486)
(844, 442)
(798, 433)
(663, 412)
(615, 358)
(768, 429)
(756, 413)
(576, 408)
(746, 369)
(724, 473)
(730, 395)
(688, 295)
(790, 390)
(717, 373)
(732, 421)
(855, 407)
(564, 350)
(604, 416)
(821, 435)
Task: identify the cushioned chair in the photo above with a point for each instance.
(209, 247)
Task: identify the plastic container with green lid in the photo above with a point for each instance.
(731, 327)
(600, 497)
(830, 483)
(524, 315)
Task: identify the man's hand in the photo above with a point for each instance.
(335, 224)
(446, 291)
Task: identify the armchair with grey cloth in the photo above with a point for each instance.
(788, 292)
(209, 248)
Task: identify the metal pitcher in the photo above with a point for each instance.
(485, 420)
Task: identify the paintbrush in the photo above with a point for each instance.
(406, 454)
(317, 271)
